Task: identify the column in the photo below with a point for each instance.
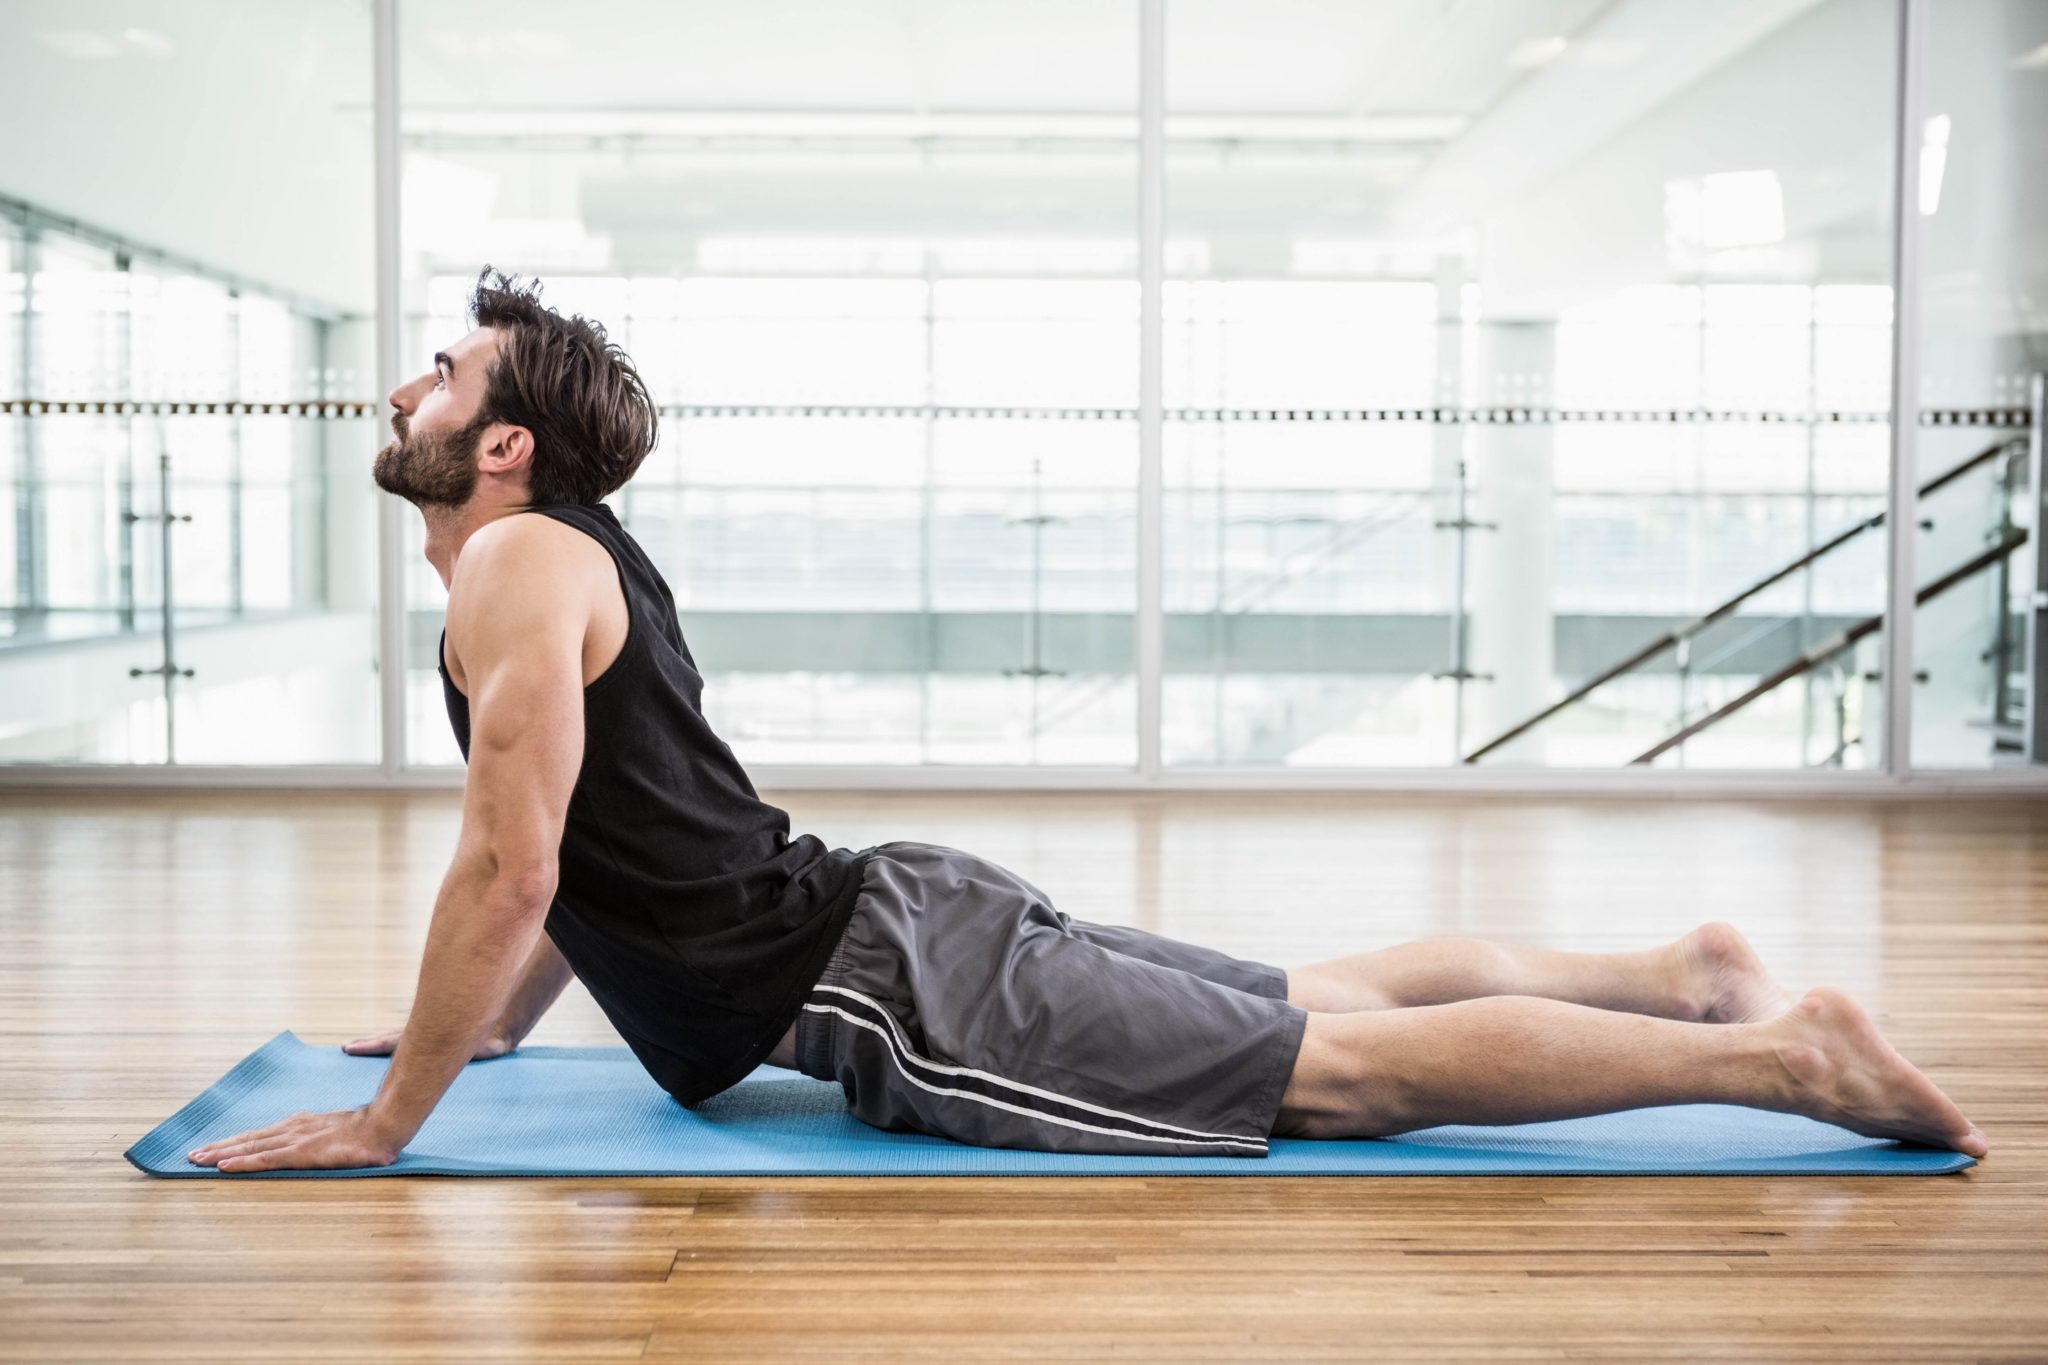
(1513, 620)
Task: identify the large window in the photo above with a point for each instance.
(1979, 646)
(895, 346)
(1507, 353)
(183, 334)
(1518, 390)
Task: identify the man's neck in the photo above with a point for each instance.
(449, 529)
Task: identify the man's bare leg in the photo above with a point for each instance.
(1520, 1059)
(1711, 975)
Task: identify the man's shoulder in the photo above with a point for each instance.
(526, 574)
(531, 548)
(527, 533)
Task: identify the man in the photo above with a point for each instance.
(608, 833)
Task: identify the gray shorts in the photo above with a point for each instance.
(960, 1003)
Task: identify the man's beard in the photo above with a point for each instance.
(430, 468)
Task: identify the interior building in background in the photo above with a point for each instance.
(1517, 391)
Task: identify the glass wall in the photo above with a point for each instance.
(884, 287)
(1983, 267)
(185, 510)
(1526, 373)
(1505, 344)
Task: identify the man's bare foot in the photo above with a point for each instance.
(1844, 1072)
(1724, 978)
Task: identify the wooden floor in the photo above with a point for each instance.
(148, 941)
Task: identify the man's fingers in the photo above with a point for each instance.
(377, 1045)
(303, 1141)
(303, 1154)
(244, 1146)
(249, 1149)
(223, 1144)
(268, 1157)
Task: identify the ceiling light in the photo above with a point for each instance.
(1531, 53)
(1933, 161)
(149, 41)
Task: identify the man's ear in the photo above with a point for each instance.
(506, 450)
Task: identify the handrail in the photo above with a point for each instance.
(1842, 640)
(1680, 634)
(1352, 533)
(1771, 626)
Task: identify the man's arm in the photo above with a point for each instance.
(540, 982)
(545, 976)
(516, 621)
(517, 624)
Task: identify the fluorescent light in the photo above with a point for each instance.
(1531, 53)
(148, 40)
(1933, 161)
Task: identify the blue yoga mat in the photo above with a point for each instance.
(594, 1111)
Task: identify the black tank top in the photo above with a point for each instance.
(696, 922)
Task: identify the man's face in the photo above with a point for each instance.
(437, 424)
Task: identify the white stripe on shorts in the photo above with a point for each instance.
(1020, 1109)
(901, 1045)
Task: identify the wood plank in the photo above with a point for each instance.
(148, 940)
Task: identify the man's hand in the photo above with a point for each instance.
(303, 1142)
(519, 604)
(347, 1137)
(495, 1044)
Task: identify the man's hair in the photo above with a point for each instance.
(590, 414)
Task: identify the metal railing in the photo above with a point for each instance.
(1842, 640)
(1680, 636)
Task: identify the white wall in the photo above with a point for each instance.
(232, 131)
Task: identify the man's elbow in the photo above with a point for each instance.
(524, 885)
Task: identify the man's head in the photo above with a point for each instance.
(538, 407)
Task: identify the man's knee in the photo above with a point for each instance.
(1334, 1089)
(1336, 987)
